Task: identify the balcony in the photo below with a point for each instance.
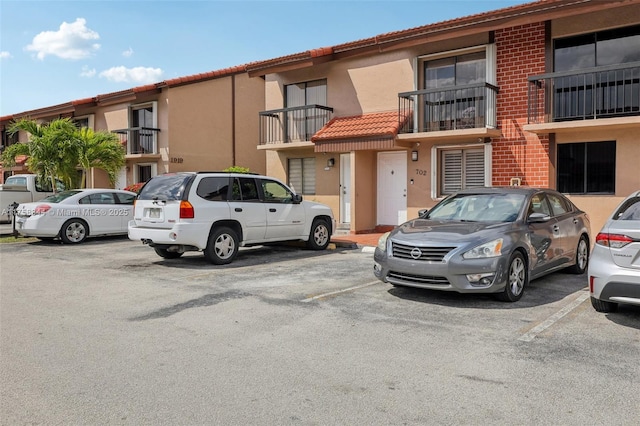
(294, 124)
(611, 92)
(139, 140)
(459, 108)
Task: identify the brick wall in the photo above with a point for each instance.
(520, 54)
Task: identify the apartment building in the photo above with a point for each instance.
(541, 94)
(201, 122)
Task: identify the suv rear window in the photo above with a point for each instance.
(168, 187)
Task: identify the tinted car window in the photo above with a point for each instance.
(539, 204)
(56, 198)
(166, 187)
(245, 189)
(125, 198)
(559, 205)
(629, 210)
(214, 188)
(479, 208)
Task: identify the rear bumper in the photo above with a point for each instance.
(610, 282)
(181, 234)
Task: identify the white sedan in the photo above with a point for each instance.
(76, 214)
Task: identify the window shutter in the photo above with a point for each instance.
(309, 175)
(474, 168)
(451, 171)
(295, 174)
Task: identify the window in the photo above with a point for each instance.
(213, 188)
(100, 198)
(144, 172)
(302, 175)
(82, 122)
(587, 168)
(125, 199)
(144, 123)
(8, 139)
(302, 123)
(274, 192)
(601, 93)
(245, 189)
(451, 108)
(461, 168)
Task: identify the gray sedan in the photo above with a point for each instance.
(486, 240)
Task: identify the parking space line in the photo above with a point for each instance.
(331, 293)
(531, 334)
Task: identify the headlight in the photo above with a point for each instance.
(382, 241)
(490, 249)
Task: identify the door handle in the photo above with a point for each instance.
(272, 210)
(238, 209)
(556, 228)
(575, 221)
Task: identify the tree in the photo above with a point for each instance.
(100, 150)
(52, 149)
(57, 149)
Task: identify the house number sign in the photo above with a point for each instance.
(176, 160)
(421, 172)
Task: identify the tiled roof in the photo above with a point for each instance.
(378, 124)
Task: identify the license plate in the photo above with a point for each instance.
(154, 213)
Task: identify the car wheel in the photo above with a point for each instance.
(582, 257)
(603, 305)
(319, 236)
(222, 246)
(517, 279)
(74, 231)
(164, 253)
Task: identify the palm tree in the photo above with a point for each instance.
(51, 149)
(100, 150)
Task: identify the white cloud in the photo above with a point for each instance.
(127, 53)
(71, 41)
(140, 75)
(5, 55)
(87, 72)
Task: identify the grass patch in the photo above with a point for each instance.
(11, 239)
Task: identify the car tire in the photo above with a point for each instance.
(582, 257)
(164, 253)
(603, 305)
(74, 231)
(517, 279)
(319, 236)
(222, 246)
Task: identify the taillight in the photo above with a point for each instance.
(42, 209)
(613, 240)
(186, 210)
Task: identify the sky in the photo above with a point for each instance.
(53, 52)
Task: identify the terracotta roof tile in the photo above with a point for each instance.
(360, 126)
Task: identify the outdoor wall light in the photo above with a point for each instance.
(331, 162)
(414, 155)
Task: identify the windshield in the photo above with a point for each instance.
(479, 208)
(169, 187)
(56, 198)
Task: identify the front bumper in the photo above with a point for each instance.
(452, 274)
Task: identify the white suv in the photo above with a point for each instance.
(218, 212)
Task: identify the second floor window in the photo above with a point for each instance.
(302, 123)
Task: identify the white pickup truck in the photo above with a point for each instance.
(21, 189)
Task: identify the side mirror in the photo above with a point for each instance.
(296, 199)
(422, 213)
(538, 218)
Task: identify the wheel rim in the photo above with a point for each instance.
(583, 254)
(75, 232)
(320, 235)
(516, 276)
(224, 246)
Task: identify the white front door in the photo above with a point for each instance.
(392, 188)
(345, 188)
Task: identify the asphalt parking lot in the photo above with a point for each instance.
(109, 333)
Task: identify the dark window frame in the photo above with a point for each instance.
(586, 172)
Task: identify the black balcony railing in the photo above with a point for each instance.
(139, 140)
(294, 124)
(601, 92)
(459, 107)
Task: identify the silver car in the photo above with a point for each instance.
(486, 240)
(614, 271)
